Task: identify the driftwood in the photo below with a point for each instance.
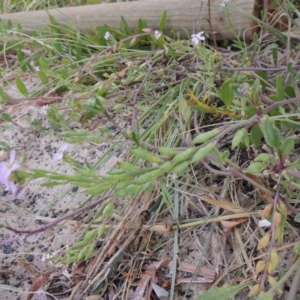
(194, 15)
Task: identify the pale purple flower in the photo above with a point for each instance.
(107, 35)
(157, 34)
(6, 169)
(43, 110)
(59, 154)
(196, 38)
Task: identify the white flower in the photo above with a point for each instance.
(6, 169)
(36, 68)
(223, 4)
(107, 35)
(196, 38)
(43, 110)
(264, 223)
(59, 154)
(157, 34)
(48, 256)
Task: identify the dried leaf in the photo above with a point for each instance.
(227, 225)
(38, 283)
(266, 211)
(260, 266)
(205, 272)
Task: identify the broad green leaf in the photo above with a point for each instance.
(21, 87)
(263, 157)
(226, 93)
(4, 146)
(288, 145)
(271, 133)
(220, 293)
(280, 88)
(6, 117)
(4, 96)
(255, 168)
(162, 23)
(290, 91)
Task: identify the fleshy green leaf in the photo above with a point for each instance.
(288, 145)
(255, 168)
(166, 195)
(271, 134)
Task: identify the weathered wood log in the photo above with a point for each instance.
(224, 22)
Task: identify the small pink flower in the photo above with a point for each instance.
(6, 169)
(59, 154)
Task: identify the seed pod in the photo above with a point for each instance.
(101, 230)
(167, 151)
(82, 253)
(266, 211)
(131, 189)
(260, 266)
(166, 167)
(89, 251)
(70, 260)
(185, 155)
(148, 187)
(203, 152)
(254, 291)
(89, 235)
(264, 241)
(277, 218)
(72, 251)
(124, 165)
(144, 154)
(122, 185)
(274, 259)
(148, 177)
(79, 244)
(181, 167)
(118, 107)
(283, 207)
(205, 136)
(108, 209)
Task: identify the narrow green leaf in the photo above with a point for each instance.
(226, 93)
(124, 26)
(280, 88)
(271, 133)
(21, 87)
(162, 23)
(44, 65)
